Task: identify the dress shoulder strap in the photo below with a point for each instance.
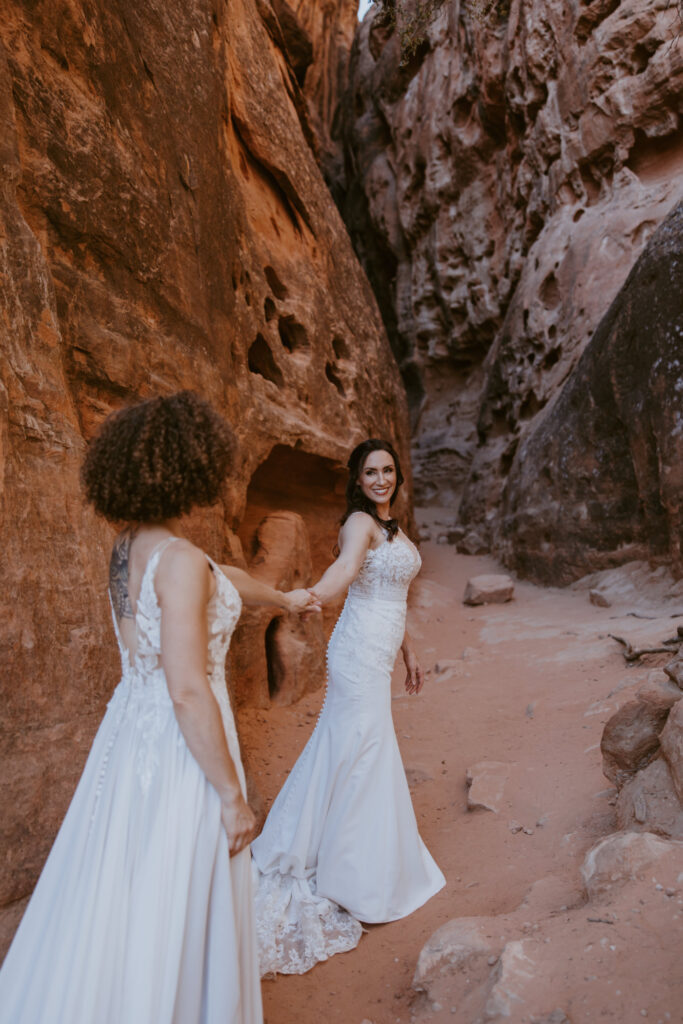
(147, 584)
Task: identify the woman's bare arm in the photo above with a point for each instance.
(255, 592)
(355, 537)
(184, 587)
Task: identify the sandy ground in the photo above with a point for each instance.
(529, 685)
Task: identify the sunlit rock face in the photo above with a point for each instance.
(499, 187)
(163, 224)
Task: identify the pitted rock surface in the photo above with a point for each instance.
(164, 224)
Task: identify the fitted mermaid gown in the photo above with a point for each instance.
(340, 844)
(140, 916)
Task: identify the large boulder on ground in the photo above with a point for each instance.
(630, 739)
(648, 802)
(600, 479)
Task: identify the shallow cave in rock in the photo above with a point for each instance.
(301, 482)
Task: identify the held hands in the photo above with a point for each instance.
(302, 602)
(414, 673)
(239, 823)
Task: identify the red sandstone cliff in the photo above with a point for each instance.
(164, 224)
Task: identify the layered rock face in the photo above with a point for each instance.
(164, 224)
(500, 186)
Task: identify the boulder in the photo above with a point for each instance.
(674, 670)
(630, 739)
(456, 943)
(648, 802)
(598, 480)
(672, 746)
(624, 856)
(489, 589)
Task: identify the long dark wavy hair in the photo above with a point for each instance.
(355, 499)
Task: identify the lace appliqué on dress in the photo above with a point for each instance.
(295, 928)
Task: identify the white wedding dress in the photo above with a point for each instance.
(341, 844)
(140, 916)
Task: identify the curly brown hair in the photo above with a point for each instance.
(158, 459)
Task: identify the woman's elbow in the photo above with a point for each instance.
(187, 694)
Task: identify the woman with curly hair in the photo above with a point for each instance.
(143, 913)
(340, 844)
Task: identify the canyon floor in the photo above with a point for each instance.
(527, 685)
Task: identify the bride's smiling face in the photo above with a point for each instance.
(377, 478)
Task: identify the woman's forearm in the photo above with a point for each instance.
(334, 582)
(253, 591)
(200, 722)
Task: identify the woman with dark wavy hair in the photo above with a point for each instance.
(341, 844)
(143, 913)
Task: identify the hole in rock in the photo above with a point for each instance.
(552, 357)
(298, 481)
(292, 334)
(341, 349)
(530, 406)
(332, 376)
(269, 310)
(275, 284)
(550, 292)
(578, 215)
(261, 361)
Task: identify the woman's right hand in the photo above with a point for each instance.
(299, 601)
(239, 823)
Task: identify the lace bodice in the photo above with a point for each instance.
(387, 571)
(143, 691)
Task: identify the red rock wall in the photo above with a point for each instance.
(499, 187)
(164, 224)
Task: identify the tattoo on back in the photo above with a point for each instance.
(118, 576)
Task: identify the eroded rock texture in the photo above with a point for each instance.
(600, 479)
(500, 187)
(642, 753)
(164, 224)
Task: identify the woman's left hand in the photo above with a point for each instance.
(414, 674)
(301, 600)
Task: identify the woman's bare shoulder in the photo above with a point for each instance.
(359, 528)
(182, 563)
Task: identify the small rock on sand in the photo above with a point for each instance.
(489, 589)
(597, 598)
(486, 784)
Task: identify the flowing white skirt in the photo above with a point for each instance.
(341, 843)
(140, 916)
